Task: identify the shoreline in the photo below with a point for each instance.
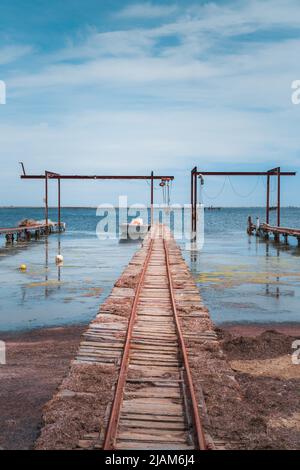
(255, 329)
(243, 329)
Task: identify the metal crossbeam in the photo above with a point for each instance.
(57, 176)
(273, 172)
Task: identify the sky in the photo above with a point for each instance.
(124, 87)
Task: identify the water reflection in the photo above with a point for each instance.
(247, 279)
(51, 294)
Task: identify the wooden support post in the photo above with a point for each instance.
(268, 200)
(249, 225)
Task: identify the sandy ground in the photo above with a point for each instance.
(37, 362)
(289, 329)
(269, 382)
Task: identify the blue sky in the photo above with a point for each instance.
(126, 87)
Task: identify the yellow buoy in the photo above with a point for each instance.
(23, 267)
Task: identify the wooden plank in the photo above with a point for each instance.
(175, 437)
(154, 392)
(131, 423)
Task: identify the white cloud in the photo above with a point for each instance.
(144, 56)
(191, 89)
(169, 139)
(9, 54)
(146, 10)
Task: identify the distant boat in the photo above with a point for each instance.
(135, 230)
(212, 208)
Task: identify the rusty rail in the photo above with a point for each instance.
(200, 437)
(116, 406)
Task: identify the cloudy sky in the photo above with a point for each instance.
(97, 86)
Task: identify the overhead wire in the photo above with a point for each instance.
(243, 195)
(217, 195)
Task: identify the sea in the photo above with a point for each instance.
(242, 279)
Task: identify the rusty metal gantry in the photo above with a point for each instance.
(273, 172)
(52, 175)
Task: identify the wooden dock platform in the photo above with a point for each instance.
(265, 230)
(31, 231)
(137, 380)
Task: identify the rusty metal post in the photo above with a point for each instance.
(195, 201)
(268, 200)
(59, 206)
(46, 200)
(192, 200)
(278, 197)
(152, 199)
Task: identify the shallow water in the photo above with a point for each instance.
(246, 279)
(241, 278)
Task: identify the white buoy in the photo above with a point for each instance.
(59, 259)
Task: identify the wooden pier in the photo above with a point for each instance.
(265, 230)
(31, 231)
(144, 364)
(145, 413)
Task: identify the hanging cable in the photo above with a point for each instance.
(168, 193)
(243, 195)
(200, 194)
(218, 194)
(272, 186)
(162, 184)
(149, 184)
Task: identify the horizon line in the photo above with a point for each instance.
(142, 206)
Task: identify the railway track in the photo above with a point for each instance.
(154, 405)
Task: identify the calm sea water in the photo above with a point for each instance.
(241, 279)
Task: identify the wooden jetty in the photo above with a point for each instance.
(139, 377)
(145, 413)
(265, 230)
(31, 231)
